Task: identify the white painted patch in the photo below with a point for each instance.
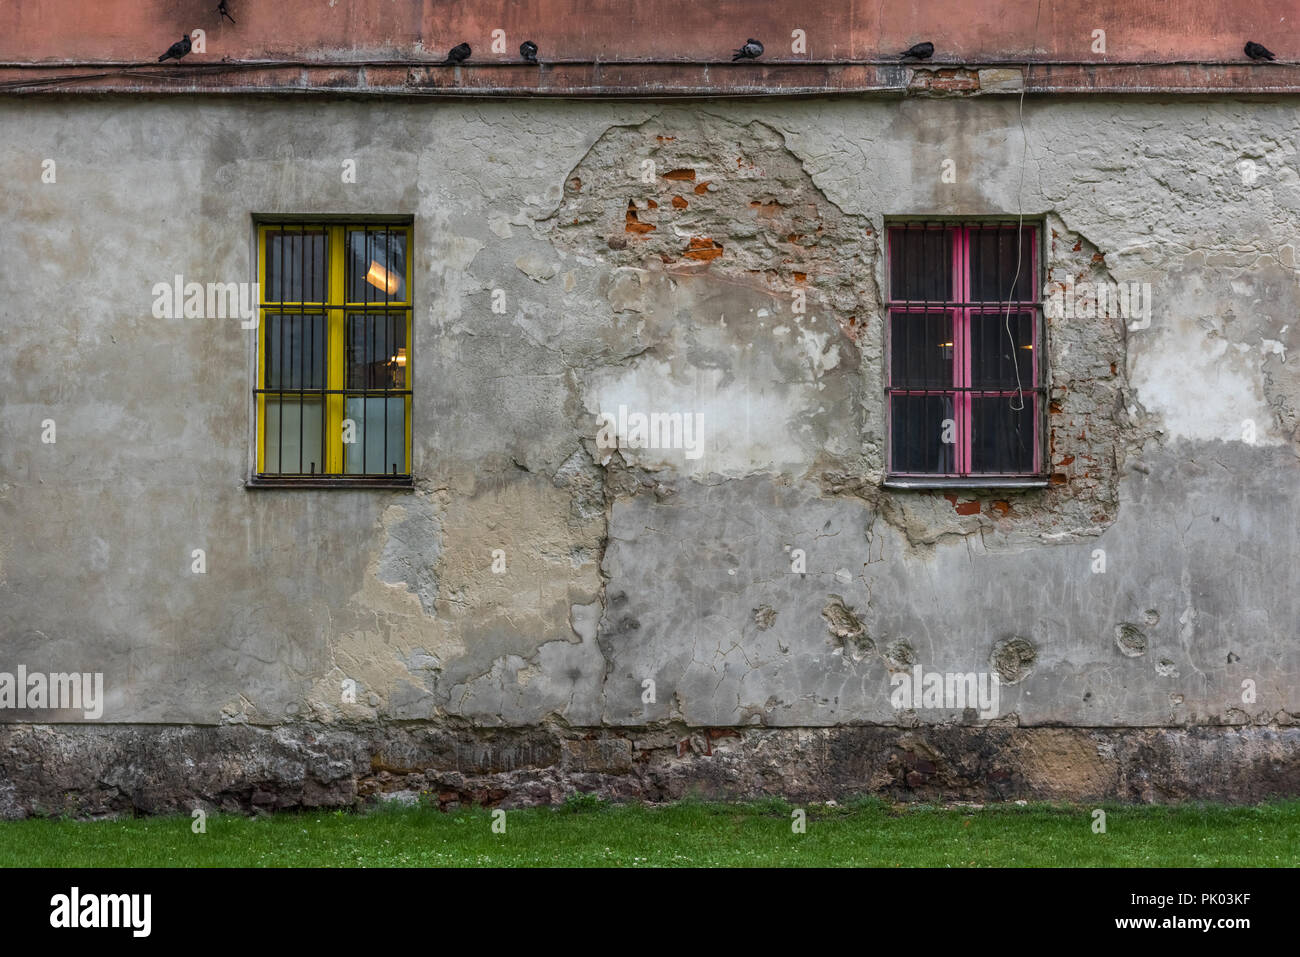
(821, 358)
(1203, 389)
(746, 424)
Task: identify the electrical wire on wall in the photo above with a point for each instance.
(1020, 218)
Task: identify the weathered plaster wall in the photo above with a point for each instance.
(671, 295)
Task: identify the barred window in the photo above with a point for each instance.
(965, 382)
(335, 361)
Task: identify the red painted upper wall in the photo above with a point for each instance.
(77, 31)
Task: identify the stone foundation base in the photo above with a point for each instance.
(89, 771)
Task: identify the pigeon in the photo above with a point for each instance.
(922, 51)
(224, 11)
(457, 55)
(177, 50)
(1257, 51)
(752, 50)
(528, 50)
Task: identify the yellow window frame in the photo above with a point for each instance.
(336, 310)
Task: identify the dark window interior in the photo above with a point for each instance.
(1001, 346)
(967, 363)
(1002, 434)
(918, 433)
(921, 350)
(921, 265)
(993, 265)
(296, 269)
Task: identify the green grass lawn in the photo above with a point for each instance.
(587, 833)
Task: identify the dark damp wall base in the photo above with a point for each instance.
(86, 771)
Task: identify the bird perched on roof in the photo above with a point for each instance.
(921, 51)
(1257, 51)
(752, 50)
(457, 55)
(528, 50)
(177, 50)
(223, 11)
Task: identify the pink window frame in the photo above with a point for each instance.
(960, 310)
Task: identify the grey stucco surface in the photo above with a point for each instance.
(641, 564)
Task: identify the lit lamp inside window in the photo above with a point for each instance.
(382, 278)
(397, 368)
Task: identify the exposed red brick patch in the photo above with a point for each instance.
(1099, 258)
(962, 508)
(800, 276)
(634, 225)
(1059, 478)
(681, 174)
(703, 188)
(1078, 245)
(945, 81)
(679, 203)
(703, 249)
(1054, 407)
(1001, 506)
(665, 139)
(1066, 460)
(700, 744)
(651, 204)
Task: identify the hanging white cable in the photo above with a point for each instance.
(1020, 215)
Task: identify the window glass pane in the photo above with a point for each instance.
(920, 264)
(295, 265)
(376, 269)
(306, 348)
(380, 445)
(293, 435)
(995, 356)
(1002, 433)
(993, 264)
(918, 433)
(295, 351)
(377, 353)
(921, 350)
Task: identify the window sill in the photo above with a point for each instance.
(330, 481)
(989, 482)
